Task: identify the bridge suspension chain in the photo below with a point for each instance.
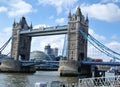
(103, 46)
(4, 46)
(99, 46)
(64, 45)
(101, 49)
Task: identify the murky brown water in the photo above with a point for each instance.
(29, 80)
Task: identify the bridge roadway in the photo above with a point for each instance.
(45, 31)
(101, 63)
(26, 63)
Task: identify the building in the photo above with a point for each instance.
(39, 56)
(53, 52)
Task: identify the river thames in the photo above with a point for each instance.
(29, 80)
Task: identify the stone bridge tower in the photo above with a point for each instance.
(77, 46)
(20, 43)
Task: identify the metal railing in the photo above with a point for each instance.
(100, 82)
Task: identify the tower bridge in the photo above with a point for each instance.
(77, 31)
(22, 34)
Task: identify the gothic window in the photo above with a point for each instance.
(71, 54)
(23, 44)
(82, 40)
(72, 44)
(72, 25)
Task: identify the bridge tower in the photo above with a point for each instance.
(77, 45)
(20, 43)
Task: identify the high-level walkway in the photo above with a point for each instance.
(46, 31)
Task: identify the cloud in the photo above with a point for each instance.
(59, 4)
(114, 37)
(17, 7)
(109, 12)
(3, 9)
(114, 45)
(60, 20)
(96, 36)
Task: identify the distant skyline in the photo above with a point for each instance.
(104, 19)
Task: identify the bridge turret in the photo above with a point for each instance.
(78, 13)
(14, 24)
(69, 16)
(87, 20)
(23, 21)
(31, 27)
(23, 24)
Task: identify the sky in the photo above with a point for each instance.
(104, 20)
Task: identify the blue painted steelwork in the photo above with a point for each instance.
(50, 63)
(64, 46)
(101, 63)
(4, 46)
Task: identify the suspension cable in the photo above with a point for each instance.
(63, 51)
(94, 42)
(3, 47)
(103, 45)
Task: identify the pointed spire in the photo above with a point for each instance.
(87, 18)
(14, 23)
(31, 26)
(69, 14)
(23, 20)
(78, 11)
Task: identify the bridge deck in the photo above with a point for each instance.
(101, 63)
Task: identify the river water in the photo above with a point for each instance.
(29, 80)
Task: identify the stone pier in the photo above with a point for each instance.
(15, 66)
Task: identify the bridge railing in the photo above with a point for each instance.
(56, 27)
(100, 82)
(47, 28)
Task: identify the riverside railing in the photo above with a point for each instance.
(113, 81)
